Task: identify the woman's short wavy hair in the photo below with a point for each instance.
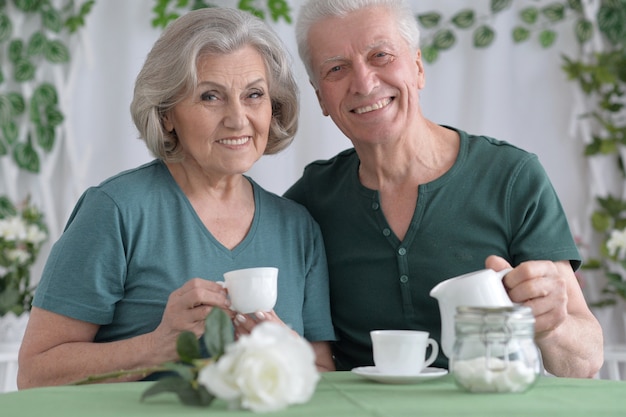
(170, 74)
(313, 11)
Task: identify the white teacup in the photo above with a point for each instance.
(402, 352)
(252, 289)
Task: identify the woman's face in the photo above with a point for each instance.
(224, 124)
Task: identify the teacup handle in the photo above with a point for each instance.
(433, 352)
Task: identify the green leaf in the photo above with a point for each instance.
(575, 5)
(248, 6)
(554, 12)
(10, 132)
(36, 44)
(4, 148)
(529, 15)
(444, 39)
(430, 53)
(16, 49)
(6, 27)
(54, 116)
(429, 20)
(218, 332)
(28, 6)
(483, 36)
(45, 136)
(188, 347)
(51, 19)
(547, 38)
(464, 19)
(520, 34)
(24, 70)
(278, 9)
(601, 222)
(25, 157)
(499, 5)
(583, 30)
(56, 52)
(17, 103)
(45, 95)
(187, 393)
(6, 109)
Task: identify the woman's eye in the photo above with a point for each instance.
(208, 97)
(256, 94)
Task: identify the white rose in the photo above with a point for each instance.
(265, 371)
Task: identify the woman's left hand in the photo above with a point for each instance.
(244, 323)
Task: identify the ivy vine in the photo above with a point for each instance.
(29, 105)
(167, 10)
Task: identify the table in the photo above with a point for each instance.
(338, 394)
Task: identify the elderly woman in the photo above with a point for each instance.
(140, 256)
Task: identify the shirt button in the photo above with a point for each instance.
(375, 206)
(404, 279)
(386, 232)
(402, 251)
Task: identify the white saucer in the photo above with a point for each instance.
(370, 372)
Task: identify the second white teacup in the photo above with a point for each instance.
(252, 289)
(402, 352)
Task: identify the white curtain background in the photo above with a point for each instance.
(516, 93)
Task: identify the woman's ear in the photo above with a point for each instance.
(167, 123)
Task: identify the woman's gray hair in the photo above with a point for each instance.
(170, 74)
(313, 11)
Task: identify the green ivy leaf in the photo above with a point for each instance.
(444, 39)
(25, 157)
(278, 9)
(6, 109)
(554, 12)
(611, 22)
(6, 27)
(45, 95)
(520, 34)
(73, 23)
(430, 53)
(45, 136)
(16, 49)
(4, 150)
(547, 38)
(10, 132)
(54, 116)
(36, 44)
(464, 19)
(499, 5)
(56, 52)
(429, 20)
(575, 5)
(28, 6)
(529, 15)
(218, 332)
(51, 19)
(18, 104)
(24, 70)
(583, 30)
(248, 6)
(483, 36)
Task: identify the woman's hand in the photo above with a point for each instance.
(186, 310)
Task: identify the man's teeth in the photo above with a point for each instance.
(234, 142)
(375, 106)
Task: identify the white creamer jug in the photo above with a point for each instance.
(482, 288)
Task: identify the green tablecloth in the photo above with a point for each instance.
(338, 394)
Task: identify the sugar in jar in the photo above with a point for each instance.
(494, 349)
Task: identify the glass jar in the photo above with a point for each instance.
(494, 349)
